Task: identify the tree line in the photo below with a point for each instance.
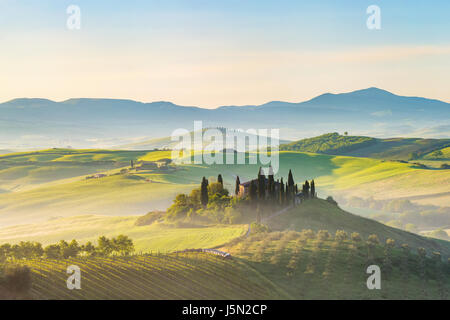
(212, 202)
(263, 189)
(121, 245)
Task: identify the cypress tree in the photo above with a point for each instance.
(313, 189)
(290, 186)
(281, 192)
(276, 192)
(306, 189)
(253, 192)
(238, 183)
(290, 179)
(271, 184)
(204, 192)
(219, 179)
(261, 185)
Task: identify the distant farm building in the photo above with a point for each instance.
(151, 165)
(96, 176)
(146, 165)
(244, 188)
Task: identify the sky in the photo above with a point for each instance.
(211, 53)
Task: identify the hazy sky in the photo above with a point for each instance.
(229, 52)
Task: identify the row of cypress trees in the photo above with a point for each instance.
(204, 197)
(262, 189)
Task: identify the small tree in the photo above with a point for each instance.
(307, 234)
(204, 192)
(237, 188)
(104, 246)
(271, 184)
(52, 251)
(356, 237)
(313, 189)
(306, 189)
(123, 245)
(373, 240)
(219, 179)
(88, 248)
(341, 235)
(281, 192)
(253, 192)
(390, 243)
(261, 185)
(323, 235)
(17, 278)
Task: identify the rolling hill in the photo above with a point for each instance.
(282, 264)
(45, 195)
(359, 146)
(319, 214)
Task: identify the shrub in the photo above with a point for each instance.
(341, 235)
(275, 235)
(331, 200)
(323, 234)
(356, 237)
(258, 228)
(373, 240)
(390, 243)
(307, 234)
(290, 235)
(422, 252)
(437, 256)
(17, 278)
(149, 218)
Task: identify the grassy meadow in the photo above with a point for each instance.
(58, 192)
(154, 237)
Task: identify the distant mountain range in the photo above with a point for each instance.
(83, 123)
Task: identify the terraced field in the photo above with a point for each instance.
(277, 265)
(174, 276)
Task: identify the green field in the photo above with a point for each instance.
(359, 146)
(278, 265)
(282, 264)
(138, 193)
(155, 237)
(314, 268)
(320, 215)
(193, 276)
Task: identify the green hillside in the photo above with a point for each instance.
(195, 276)
(27, 170)
(319, 214)
(155, 237)
(277, 265)
(55, 194)
(289, 262)
(358, 146)
(308, 265)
